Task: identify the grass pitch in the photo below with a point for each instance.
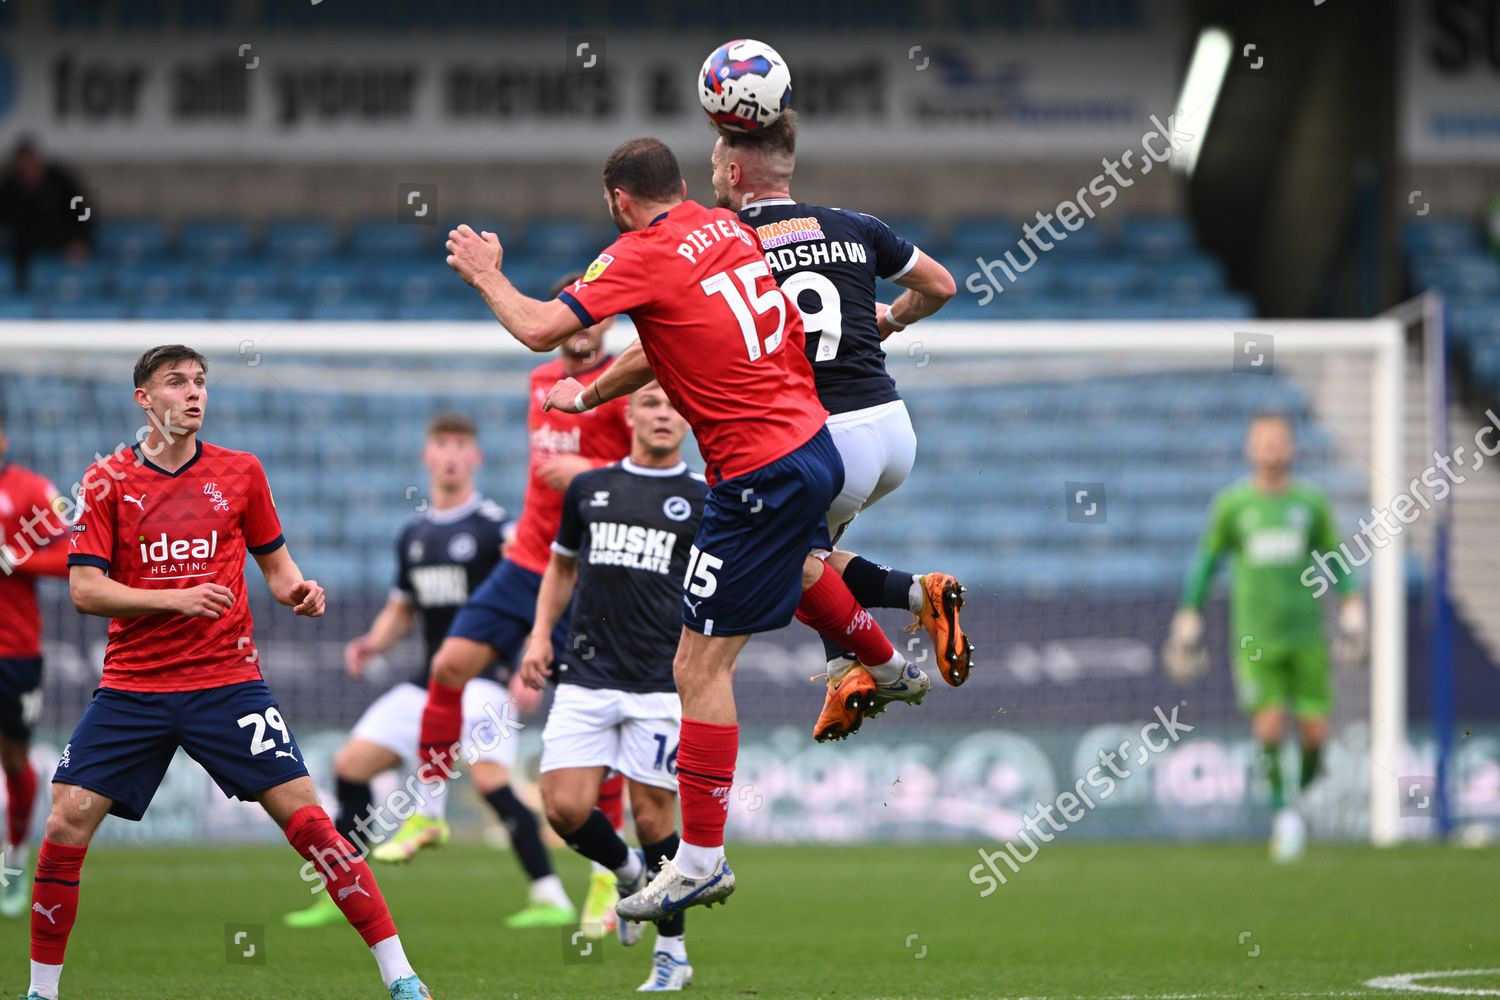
(1079, 921)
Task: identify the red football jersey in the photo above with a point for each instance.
(725, 343)
(154, 529)
(600, 435)
(28, 512)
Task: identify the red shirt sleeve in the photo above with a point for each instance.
(51, 559)
(92, 540)
(616, 282)
(262, 526)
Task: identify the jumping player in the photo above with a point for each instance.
(159, 548)
(827, 260)
(1271, 525)
(620, 555)
(442, 555)
(727, 348)
(498, 616)
(31, 533)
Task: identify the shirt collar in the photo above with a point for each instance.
(641, 470)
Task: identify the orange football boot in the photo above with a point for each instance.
(942, 597)
(849, 698)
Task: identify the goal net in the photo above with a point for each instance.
(1064, 475)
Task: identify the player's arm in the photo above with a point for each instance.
(287, 585)
(558, 583)
(1352, 644)
(928, 286)
(540, 325)
(389, 627)
(39, 550)
(94, 593)
(630, 372)
(1184, 654)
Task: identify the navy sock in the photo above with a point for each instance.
(354, 802)
(525, 834)
(876, 586)
(664, 848)
(597, 840)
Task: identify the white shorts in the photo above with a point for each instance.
(879, 447)
(634, 734)
(394, 721)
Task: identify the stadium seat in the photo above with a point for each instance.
(54, 280)
(17, 307)
(340, 312)
(300, 241)
(214, 241)
(1156, 236)
(395, 239)
(175, 309)
(131, 239)
(1442, 236)
(89, 309)
(264, 311)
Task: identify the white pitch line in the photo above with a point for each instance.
(1409, 982)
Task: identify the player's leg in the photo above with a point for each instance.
(491, 740)
(354, 766)
(1312, 701)
(20, 704)
(1265, 680)
(458, 661)
(113, 763)
(386, 736)
(597, 918)
(240, 737)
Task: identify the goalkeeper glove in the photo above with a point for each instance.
(1353, 642)
(1183, 654)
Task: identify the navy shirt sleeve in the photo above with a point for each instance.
(894, 255)
(403, 566)
(570, 529)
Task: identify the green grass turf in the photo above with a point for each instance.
(1079, 921)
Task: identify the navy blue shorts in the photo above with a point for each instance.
(20, 696)
(123, 744)
(501, 611)
(745, 570)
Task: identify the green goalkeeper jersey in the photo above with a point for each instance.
(1270, 539)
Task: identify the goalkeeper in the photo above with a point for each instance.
(1270, 525)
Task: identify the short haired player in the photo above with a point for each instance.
(443, 554)
(620, 555)
(494, 622)
(1269, 526)
(726, 346)
(32, 544)
(827, 261)
(159, 547)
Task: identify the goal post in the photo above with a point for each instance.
(1005, 414)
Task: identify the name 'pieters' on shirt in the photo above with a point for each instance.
(723, 340)
(152, 529)
(631, 529)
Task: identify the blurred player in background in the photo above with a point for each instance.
(159, 548)
(727, 347)
(497, 618)
(31, 545)
(827, 260)
(1270, 525)
(442, 555)
(620, 555)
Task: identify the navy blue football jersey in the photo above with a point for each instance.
(826, 260)
(441, 558)
(631, 529)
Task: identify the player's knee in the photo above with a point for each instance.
(347, 765)
(812, 568)
(653, 822)
(69, 824)
(565, 813)
(448, 670)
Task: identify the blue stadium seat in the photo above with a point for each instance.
(16, 307)
(264, 311)
(156, 280)
(300, 241)
(1467, 276)
(364, 311)
(986, 237)
(1442, 236)
(563, 239)
(89, 309)
(464, 308)
(131, 239)
(1157, 236)
(57, 280)
(395, 239)
(243, 280)
(175, 309)
(214, 241)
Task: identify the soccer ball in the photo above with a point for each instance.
(744, 85)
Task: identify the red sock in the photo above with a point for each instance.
(347, 879)
(442, 721)
(829, 607)
(54, 900)
(705, 770)
(20, 791)
(612, 800)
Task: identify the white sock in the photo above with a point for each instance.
(595, 866)
(44, 979)
(674, 946)
(549, 889)
(631, 869)
(391, 959)
(915, 600)
(888, 672)
(432, 802)
(697, 862)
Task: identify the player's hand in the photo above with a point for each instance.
(1183, 654)
(357, 655)
(307, 599)
(563, 395)
(207, 600)
(1353, 642)
(473, 254)
(536, 666)
(882, 327)
(523, 695)
(559, 470)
